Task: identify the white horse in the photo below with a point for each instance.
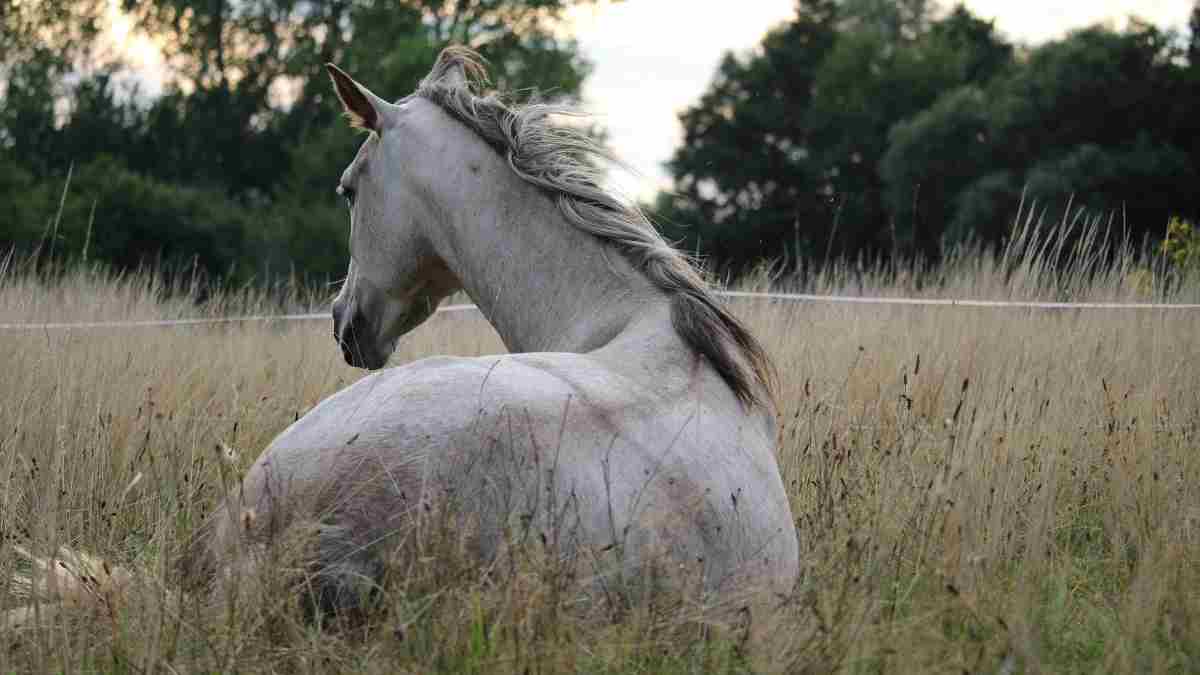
(631, 425)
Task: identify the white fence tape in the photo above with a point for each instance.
(949, 302)
(149, 323)
(800, 297)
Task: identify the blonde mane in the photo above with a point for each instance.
(563, 161)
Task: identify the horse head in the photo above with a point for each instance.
(395, 280)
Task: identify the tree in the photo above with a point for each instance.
(1193, 49)
(235, 162)
(40, 43)
(897, 130)
(933, 154)
(249, 82)
(932, 157)
(781, 156)
(746, 180)
(883, 72)
(61, 32)
(1048, 129)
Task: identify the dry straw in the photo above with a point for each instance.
(982, 491)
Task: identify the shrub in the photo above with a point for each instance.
(1182, 244)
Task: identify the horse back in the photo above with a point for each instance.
(619, 470)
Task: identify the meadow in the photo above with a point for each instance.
(996, 490)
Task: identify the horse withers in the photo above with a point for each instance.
(632, 423)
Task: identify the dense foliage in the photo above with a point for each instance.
(860, 127)
(231, 169)
(879, 127)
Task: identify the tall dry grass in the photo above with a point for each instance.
(975, 490)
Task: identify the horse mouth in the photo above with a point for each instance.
(359, 359)
(360, 345)
(359, 355)
(358, 348)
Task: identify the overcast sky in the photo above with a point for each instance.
(653, 58)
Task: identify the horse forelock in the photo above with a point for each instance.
(566, 163)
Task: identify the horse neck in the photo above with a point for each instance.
(543, 284)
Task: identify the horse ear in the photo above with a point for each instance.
(365, 109)
(457, 66)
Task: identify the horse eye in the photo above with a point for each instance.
(348, 193)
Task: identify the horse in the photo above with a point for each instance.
(632, 422)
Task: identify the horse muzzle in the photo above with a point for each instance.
(357, 339)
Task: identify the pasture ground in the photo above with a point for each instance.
(975, 490)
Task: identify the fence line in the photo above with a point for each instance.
(798, 297)
(950, 302)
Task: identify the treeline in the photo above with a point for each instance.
(232, 169)
(861, 127)
(883, 127)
